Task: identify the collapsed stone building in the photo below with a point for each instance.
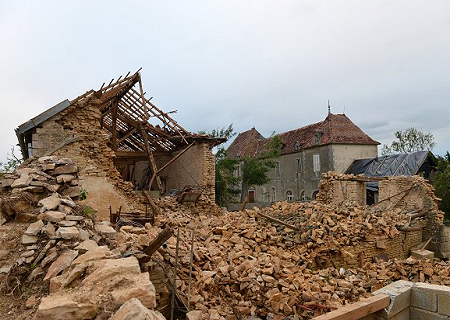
(298, 259)
(119, 138)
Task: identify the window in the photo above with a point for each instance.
(273, 198)
(277, 170)
(297, 146)
(316, 163)
(298, 165)
(237, 172)
(289, 196)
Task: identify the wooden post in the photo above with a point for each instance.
(152, 203)
(114, 124)
(151, 159)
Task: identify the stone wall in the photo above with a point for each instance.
(411, 196)
(380, 246)
(75, 133)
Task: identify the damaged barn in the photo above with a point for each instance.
(116, 132)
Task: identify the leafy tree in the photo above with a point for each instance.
(12, 162)
(410, 140)
(441, 183)
(255, 169)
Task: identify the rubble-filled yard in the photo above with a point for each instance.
(287, 261)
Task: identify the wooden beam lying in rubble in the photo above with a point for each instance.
(290, 226)
(162, 237)
(358, 309)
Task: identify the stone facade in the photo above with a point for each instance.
(295, 177)
(307, 152)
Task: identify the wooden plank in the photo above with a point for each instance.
(162, 237)
(277, 220)
(358, 309)
(152, 203)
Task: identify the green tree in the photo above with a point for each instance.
(410, 140)
(255, 169)
(12, 162)
(441, 183)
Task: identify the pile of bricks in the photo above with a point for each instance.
(247, 264)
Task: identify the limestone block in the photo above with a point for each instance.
(62, 263)
(24, 181)
(87, 245)
(65, 169)
(65, 307)
(27, 239)
(68, 233)
(134, 310)
(66, 223)
(49, 230)
(194, 315)
(68, 202)
(34, 228)
(7, 182)
(65, 178)
(106, 231)
(99, 253)
(139, 286)
(422, 254)
(52, 216)
(50, 203)
(72, 192)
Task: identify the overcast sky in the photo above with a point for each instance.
(268, 64)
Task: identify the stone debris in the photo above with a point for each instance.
(286, 260)
(62, 252)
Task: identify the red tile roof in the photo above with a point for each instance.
(247, 143)
(335, 129)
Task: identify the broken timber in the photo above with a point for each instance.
(162, 237)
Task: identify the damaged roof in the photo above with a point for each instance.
(404, 164)
(335, 129)
(132, 120)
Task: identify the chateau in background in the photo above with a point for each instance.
(329, 145)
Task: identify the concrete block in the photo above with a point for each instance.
(443, 297)
(424, 296)
(422, 254)
(402, 315)
(417, 313)
(400, 294)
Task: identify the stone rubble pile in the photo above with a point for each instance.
(246, 264)
(259, 263)
(67, 252)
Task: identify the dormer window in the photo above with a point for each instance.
(317, 136)
(297, 146)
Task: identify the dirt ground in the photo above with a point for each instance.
(12, 302)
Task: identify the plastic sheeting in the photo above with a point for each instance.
(393, 165)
